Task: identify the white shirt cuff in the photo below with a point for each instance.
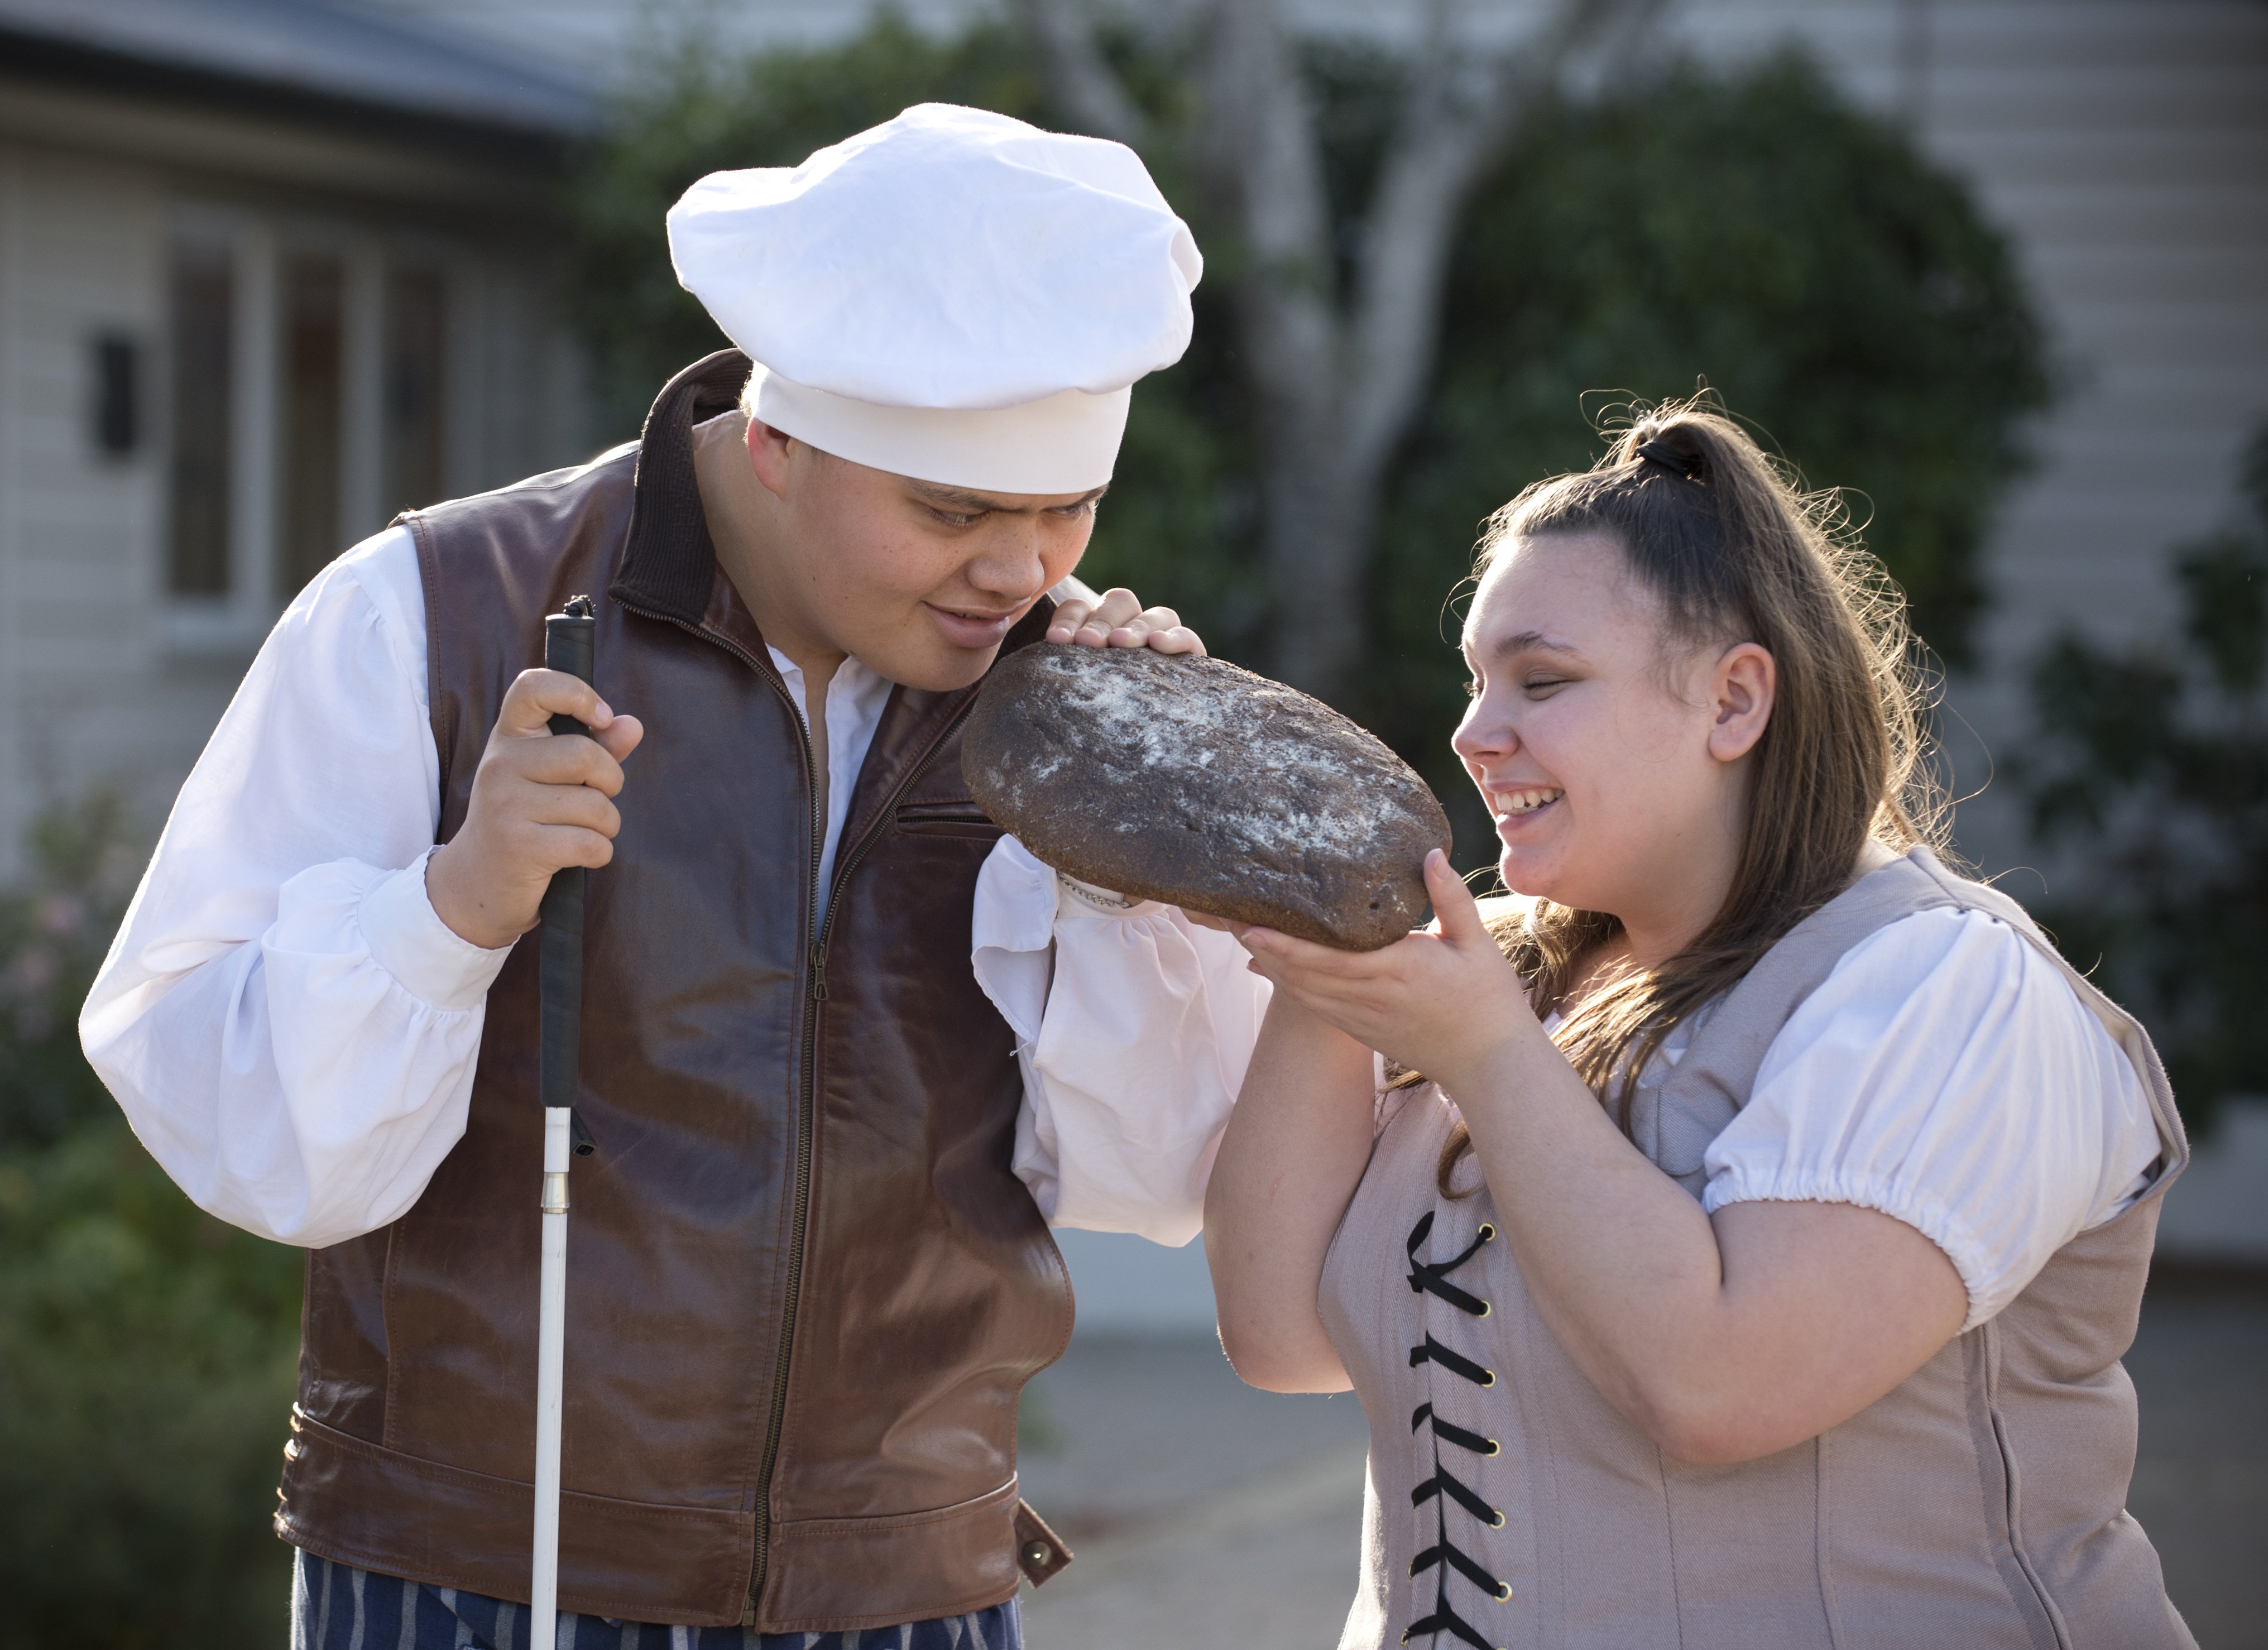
(1104, 901)
(426, 957)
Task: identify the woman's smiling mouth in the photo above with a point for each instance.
(1511, 806)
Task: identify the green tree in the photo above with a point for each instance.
(146, 1350)
(2151, 763)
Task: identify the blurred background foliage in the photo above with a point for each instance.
(2152, 769)
(1750, 229)
(147, 1351)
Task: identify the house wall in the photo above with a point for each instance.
(106, 679)
(81, 245)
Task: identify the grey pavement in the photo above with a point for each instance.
(2200, 1365)
(1202, 1512)
(1206, 1514)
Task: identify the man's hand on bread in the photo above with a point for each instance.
(1120, 620)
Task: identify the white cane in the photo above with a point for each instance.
(567, 646)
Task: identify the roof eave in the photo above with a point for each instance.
(516, 143)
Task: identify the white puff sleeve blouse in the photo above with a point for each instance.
(1946, 1075)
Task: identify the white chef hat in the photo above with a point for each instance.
(953, 295)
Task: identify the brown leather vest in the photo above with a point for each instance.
(804, 1289)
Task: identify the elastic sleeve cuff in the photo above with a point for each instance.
(1932, 1220)
(426, 957)
(1086, 896)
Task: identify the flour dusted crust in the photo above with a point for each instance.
(1191, 781)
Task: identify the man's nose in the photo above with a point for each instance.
(1012, 563)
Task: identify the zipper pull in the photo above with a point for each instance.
(819, 970)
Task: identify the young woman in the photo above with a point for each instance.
(1751, 1263)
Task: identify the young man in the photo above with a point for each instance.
(805, 1286)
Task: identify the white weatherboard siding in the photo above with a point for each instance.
(81, 253)
(106, 680)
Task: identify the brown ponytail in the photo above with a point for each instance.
(1719, 533)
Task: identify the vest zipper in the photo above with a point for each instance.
(806, 1121)
(815, 993)
(799, 1210)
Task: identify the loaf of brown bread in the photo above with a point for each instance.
(1188, 780)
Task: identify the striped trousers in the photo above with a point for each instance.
(336, 1607)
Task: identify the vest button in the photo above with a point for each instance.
(1037, 1553)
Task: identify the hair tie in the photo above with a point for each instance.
(1686, 465)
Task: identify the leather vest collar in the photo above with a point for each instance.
(669, 565)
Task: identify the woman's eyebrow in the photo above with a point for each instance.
(1533, 642)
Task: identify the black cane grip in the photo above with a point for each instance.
(567, 646)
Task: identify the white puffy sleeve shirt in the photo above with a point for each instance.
(1133, 1027)
(293, 1031)
(1946, 1075)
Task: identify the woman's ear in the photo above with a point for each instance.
(1740, 691)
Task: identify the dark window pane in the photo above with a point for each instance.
(415, 313)
(117, 363)
(314, 341)
(204, 304)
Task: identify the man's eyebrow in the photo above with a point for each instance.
(954, 498)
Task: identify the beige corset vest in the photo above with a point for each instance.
(1980, 1506)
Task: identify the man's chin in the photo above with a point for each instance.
(936, 670)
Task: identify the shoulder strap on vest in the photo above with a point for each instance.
(1674, 1123)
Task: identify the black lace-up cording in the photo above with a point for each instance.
(1443, 1556)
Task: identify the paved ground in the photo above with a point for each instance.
(1206, 1514)
(1202, 1512)
(2201, 1486)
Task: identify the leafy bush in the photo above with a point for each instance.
(52, 937)
(1747, 227)
(147, 1351)
(2152, 766)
